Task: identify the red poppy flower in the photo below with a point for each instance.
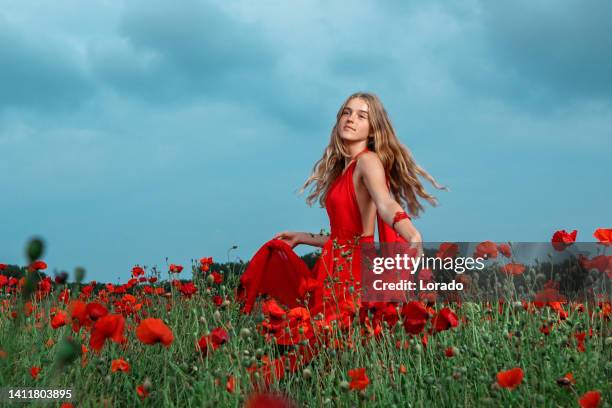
(205, 264)
(562, 239)
(450, 352)
(268, 401)
(188, 289)
(142, 392)
(3, 281)
(486, 250)
(505, 250)
(447, 250)
(217, 277)
(137, 271)
(38, 266)
(34, 371)
(107, 327)
(590, 399)
(120, 365)
(444, 320)
(545, 329)
(510, 379)
(513, 269)
(216, 338)
(415, 317)
(272, 309)
(152, 331)
(3, 266)
(359, 379)
(580, 336)
(175, 268)
(230, 385)
(602, 263)
(604, 235)
(59, 319)
(78, 313)
(95, 311)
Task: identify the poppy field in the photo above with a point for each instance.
(176, 336)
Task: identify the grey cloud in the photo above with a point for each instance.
(41, 74)
(541, 56)
(187, 52)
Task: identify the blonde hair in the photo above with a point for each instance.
(400, 168)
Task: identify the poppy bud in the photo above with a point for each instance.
(217, 315)
(61, 278)
(35, 249)
(259, 353)
(79, 274)
(608, 341)
(563, 382)
(210, 279)
(68, 350)
(344, 385)
(245, 332)
(307, 374)
(146, 384)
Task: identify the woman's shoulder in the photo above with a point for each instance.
(369, 162)
(369, 159)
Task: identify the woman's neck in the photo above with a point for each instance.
(355, 148)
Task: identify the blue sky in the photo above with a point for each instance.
(135, 131)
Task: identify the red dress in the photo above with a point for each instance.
(330, 290)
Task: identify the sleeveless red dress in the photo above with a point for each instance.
(330, 291)
(277, 271)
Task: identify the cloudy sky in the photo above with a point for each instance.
(139, 130)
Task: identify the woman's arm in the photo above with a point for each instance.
(317, 240)
(375, 181)
(294, 238)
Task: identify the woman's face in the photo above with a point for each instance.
(354, 123)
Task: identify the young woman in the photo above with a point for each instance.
(364, 175)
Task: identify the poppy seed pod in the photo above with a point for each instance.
(35, 249)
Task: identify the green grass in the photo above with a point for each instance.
(181, 376)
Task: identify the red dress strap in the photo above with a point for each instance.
(360, 153)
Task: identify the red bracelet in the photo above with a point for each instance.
(400, 215)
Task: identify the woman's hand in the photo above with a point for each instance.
(291, 238)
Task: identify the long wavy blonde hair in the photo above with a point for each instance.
(400, 168)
